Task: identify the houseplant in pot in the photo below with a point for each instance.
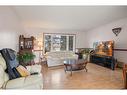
(26, 58)
(86, 53)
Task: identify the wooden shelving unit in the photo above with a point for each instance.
(26, 44)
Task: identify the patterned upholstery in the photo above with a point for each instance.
(57, 58)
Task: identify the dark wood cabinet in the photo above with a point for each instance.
(106, 61)
(26, 44)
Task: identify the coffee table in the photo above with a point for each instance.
(74, 65)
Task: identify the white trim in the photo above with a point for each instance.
(67, 45)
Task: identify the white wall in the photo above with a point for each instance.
(9, 28)
(80, 35)
(104, 33)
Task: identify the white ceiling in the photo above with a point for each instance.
(81, 18)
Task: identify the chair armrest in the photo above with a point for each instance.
(34, 68)
(75, 55)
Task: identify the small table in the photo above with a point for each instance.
(74, 65)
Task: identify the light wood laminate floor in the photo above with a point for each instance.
(97, 77)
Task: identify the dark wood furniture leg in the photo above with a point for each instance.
(65, 68)
(85, 66)
(71, 70)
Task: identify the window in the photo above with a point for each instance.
(47, 43)
(59, 42)
(71, 43)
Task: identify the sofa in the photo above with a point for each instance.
(29, 82)
(57, 58)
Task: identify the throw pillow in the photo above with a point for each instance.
(23, 71)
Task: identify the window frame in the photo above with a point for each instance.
(61, 34)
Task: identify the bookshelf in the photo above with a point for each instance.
(26, 44)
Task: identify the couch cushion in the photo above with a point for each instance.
(23, 82)
(33, 79)
(34, 68)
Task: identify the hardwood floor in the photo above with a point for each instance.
(97, 77)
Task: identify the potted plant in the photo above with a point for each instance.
(86, 53)
(26, 58)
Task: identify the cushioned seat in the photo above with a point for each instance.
(22, 82)
(34, 68)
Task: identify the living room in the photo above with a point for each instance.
(76, 29)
